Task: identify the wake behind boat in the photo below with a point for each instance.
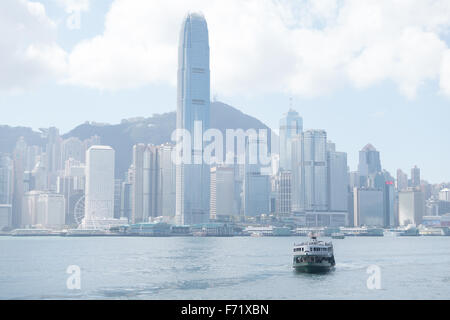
(313, 256)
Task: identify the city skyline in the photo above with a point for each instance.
(180, 150)
(385, 111)
(308, 179)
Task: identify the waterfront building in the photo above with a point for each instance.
(256, 194)
(389, 204)
(30, 209)
(215, 229)
(368, 207)
(193, 110)
(99, 192)
(71, 184)
(19, 156)
(146, 183)
(310, 172)
(117, 198)
(127, 195)
(6, 179)
(337, 179)
(168, 183)
(325, 218)
(5, 216)
(51, 210)
(256, 184)
(152, 229)
(411, 207)
(223, 205)
(284, 193)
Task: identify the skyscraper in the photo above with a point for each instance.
(168, 182)
(411, 207)
(256, 185)
(71, 184)
(99, 201)
(72, 148)
(6, 179)
(19, 156)
(338, 179)
(145, 185)
(444, 194)
(284, 193)
(53, 149)
(389, 204)
(368, 207)
(315, 170)
(290, 126)
(415, 177)
(222, 193)
(369, 163)
(193, 180)
(402, 180)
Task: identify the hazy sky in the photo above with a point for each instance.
(365, 71)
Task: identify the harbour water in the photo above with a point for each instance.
(220, 268)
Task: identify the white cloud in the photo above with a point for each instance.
(28, 49)
(306, 47)
(445, 74)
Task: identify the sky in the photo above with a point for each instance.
(365, 71)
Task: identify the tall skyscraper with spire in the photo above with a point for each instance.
(193, 109)
(291, 125)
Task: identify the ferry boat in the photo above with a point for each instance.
(338, 235)
(313, 256)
